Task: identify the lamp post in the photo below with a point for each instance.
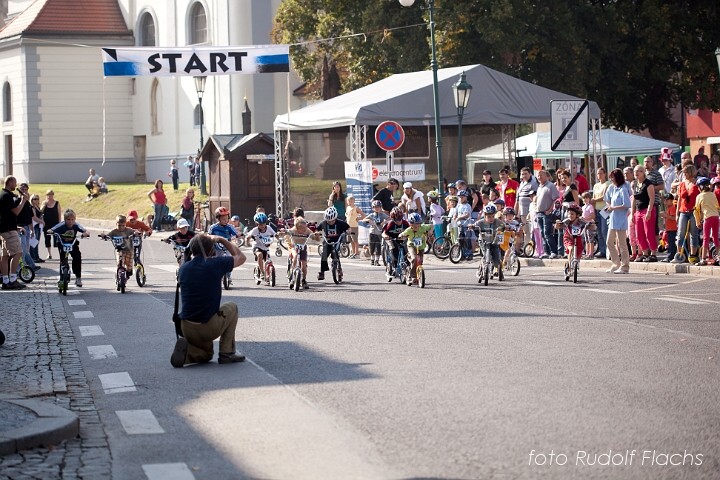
(461, 90)
(200, 88)
(717, 56)
(434, 66)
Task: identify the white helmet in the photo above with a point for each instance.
(331, 214)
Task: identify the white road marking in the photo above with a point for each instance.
(165, 268)
(139, 422)
(602, 290)
(669, 286)
(76, 302)
(84, 314)
(117, 382)
(542, 282)
(73, 292)
(168, 471)
(100, 352)
(90, 330)
(692, 300)
(678, 300)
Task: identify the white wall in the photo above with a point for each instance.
(11, 70)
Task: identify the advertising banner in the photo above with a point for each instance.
(195, 61)
(358, 177)
(410, 172)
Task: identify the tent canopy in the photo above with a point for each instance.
(407, 98)
(609, 142)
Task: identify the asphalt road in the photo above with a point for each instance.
(533, 377)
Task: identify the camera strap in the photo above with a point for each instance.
(176, 317)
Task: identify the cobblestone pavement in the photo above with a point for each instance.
(40, 360)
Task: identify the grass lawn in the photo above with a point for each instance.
(307, 192)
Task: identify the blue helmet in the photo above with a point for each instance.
(462, 193)
(490, 209)
(701, 181)
(414, 218)
(260, 218)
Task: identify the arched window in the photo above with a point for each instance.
(146, 31)
(156, 108)
(198, 24)
(7, 102)
(197, 115)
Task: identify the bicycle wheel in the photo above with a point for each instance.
(123, 280)
(2, 337)
(344, 250)
(140, 275)
(226, 282)
(26, 274)
(575, 271)
(487, 273)
(271, 275)
(63, 287)
(514, 266)
(320, 247)
(297, 280)
(421, 276)
(441, 247)
(529, 249)
(256, 275)
(403, 274)
(335, 274)
(278, 251)
(455, 253)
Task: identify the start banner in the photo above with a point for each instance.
(195, 61)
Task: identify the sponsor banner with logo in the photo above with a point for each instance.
(358, 177)
(410, 172)
(195, 61)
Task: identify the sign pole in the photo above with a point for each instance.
(389, 157)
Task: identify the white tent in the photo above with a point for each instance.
(612, 143)
(608, 142)
(407, 98)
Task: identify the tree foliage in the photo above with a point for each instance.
(636, 58)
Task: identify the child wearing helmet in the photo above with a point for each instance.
(392, 230)
(512, 226)
(331, 229)
(572, 219)
(715, 183)
(263, 236)
(588, 216)
(298, 236)
(707, 211)
(376, 220)
(436, 212)
(452, 228)
(222, 227)
(182, 237)
(416, 236)
(491, 232)
(135, 224)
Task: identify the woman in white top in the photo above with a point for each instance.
(414, 200)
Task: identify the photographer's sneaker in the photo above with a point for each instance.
(231, 358)
(177, 359)
(78, 282)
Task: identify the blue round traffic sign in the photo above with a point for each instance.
(389, 136)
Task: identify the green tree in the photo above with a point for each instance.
(634, 57)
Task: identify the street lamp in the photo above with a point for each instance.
(436, 101)
(461, 90)
(200, 88)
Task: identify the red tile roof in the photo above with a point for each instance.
(68, 17)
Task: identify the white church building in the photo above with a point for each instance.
(61, 116)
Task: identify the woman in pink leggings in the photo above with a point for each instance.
(643, 212)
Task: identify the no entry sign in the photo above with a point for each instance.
(389, 136)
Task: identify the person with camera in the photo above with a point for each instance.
(10, 207)
(203, 318)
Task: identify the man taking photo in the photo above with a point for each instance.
(203, 318)
(10, 207)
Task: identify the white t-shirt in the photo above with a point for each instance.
(412, 204)
(262, 239)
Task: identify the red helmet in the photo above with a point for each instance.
(396, 214)
(220, 211)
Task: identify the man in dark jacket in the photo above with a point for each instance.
(10, 207)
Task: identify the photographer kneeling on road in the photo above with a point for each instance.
(203, 318)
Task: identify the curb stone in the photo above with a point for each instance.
(51, 426)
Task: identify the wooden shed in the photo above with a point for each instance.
(241, 172)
